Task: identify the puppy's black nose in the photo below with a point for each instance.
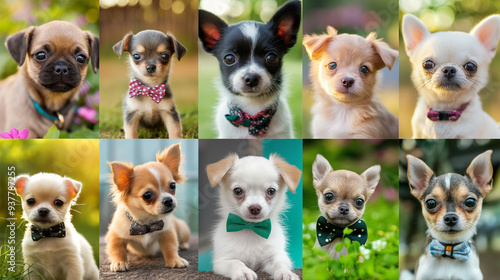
(449, 71)
(61, 69)
(344, 210)
(347, 82)
(255, 209)
(43, 212)
(167, 201)
(251, 80)
(151, 68)
(450, 219)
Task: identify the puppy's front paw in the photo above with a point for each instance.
(286, 275)
(245, 274)
(184, 246)
(118, 266)
(177, 262)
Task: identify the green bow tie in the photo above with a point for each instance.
(235, 223)
(326, 232)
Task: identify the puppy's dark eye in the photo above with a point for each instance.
(238, 191)
(329, 197)
(147, 195)
(430, 204)
(271, 191)
(41, 56)
(58, 203)
(165, 56)
(470, 67)
(136, 56)
(332, 65)
(364, 69)
(470, 202)
(31, 201)
(272, 59)
(359, 202)
(172, 186)
(229, 59)
(428, 65)
(81, 58)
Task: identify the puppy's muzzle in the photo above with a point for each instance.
(43, 212)
(151, 68)
(449, 71)
(450, 219)
(347, 82)
(61, 70)
(168, 204)
(251, 80)
(255, 209)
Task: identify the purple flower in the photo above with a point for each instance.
(14, 134)
(89, 114)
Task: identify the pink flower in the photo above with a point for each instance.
(89, 114)
(14, 134)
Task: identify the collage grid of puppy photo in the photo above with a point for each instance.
(249, 139)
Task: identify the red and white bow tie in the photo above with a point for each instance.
(157, 93)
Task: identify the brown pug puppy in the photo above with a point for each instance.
(53, 60)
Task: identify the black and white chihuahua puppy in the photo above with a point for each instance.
(252, 101)
(149, 101)
(451, 205)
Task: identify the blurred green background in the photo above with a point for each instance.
(381, 212)
(77, 159)
(233, 11)
(445, 15)
(179, 17)
(354, 17)
(16, 15)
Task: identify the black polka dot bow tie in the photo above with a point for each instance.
(38, 233)
(327, 232)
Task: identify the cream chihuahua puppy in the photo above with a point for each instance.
(51, 246)
(249, 237)
(343, 73)
(449, 70)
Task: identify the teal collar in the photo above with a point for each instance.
(57, 117)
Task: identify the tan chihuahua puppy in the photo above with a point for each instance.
(143, 222)
(343, 74)
(342, 195)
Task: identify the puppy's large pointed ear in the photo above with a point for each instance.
(372, 177)
(488, 33)
(121, 175)
(480, 171)
(18, 44)
(419, 175)
(210, 29)
(123, 45)
(315, 44)
(172, 158)
(73, 187)
(93, 42)
(321, 167)
(414, 31)
(290, 173)
(387, 55)
(217, 171)
(20, 183)
(179, 48)
(286, 23)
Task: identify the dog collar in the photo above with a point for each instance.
(138, 229)
(327, 233)
(257, 124)
(57, 117)
(458, 251)
(157, 93)
(38, 233)
(452, 115)
(236, 223)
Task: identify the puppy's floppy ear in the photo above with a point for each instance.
(372, 176)
(419, 175)
(121, 175)
(480, 171)
(387, 55)
(321, 167)
(20, 183)
(179, 48)
(488, 33)
(216, 171)
(210, 29)
(18, 44)
(290, 173)
(73, 187)
(315, 44)
(172, 158)
(93, 42)
(414, 31)
(123, 45)
(286, 22)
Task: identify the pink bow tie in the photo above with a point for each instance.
(157, 93)
(452, 115)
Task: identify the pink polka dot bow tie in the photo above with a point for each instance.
(157, 93)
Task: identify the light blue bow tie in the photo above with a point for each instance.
(458, 251)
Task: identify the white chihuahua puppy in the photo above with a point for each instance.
(449, 70)
(249, 236)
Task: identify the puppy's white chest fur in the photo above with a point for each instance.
(147, 108)
(430, 267)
